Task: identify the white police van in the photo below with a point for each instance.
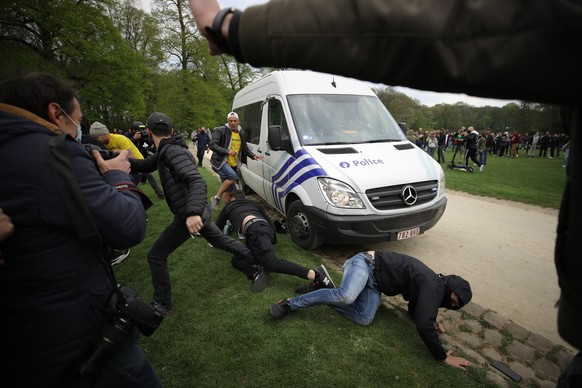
(336, 163)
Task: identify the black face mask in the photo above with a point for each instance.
(447, 302)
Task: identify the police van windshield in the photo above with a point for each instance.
(342, 119)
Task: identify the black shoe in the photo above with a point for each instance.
(119, 255)
(164, 309)
(280, 309)
(322, 277)
(322, 280)
(259, 281)
(307, 288)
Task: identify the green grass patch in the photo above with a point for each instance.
(535, 181)
(221, 334)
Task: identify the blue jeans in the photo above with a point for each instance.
(227, 172)
(483, 157)
(357, 298)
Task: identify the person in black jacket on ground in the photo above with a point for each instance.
(185, 192)
(369, 274)
(250, 219)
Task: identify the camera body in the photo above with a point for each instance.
(143, 315)
(126, 314)
(105, 154)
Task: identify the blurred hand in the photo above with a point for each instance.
(457, 362)
(120, 162)
(6, 226)
(194, 224)
(439, 327)
(6, 229)
(204, 12)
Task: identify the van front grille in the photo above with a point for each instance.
(390, 197)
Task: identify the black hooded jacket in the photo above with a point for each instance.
(183, 186)
(425, 291)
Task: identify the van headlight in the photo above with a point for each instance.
(339, 194)
(442, 186)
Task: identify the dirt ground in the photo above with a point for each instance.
(505, 250)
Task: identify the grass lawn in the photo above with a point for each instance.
(221, 334)
(536, 181)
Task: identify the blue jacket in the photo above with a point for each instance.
(53, 289)
(202, 140)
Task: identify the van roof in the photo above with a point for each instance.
(286, 82)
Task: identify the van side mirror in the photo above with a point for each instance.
(276, 142)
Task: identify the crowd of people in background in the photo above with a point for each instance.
(505, 143)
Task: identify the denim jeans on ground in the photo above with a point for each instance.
(357, 298)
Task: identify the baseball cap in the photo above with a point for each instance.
(137, 125)
(232, 114)
(158, 120)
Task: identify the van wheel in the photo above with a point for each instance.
(300, 228)
(243, 186)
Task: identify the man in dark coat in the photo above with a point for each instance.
(54, 289)
(202, 141)
(185, 192)
(369, 274)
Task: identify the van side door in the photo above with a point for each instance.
(278, 152)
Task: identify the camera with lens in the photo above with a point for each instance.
(105, 154)
(127, 311)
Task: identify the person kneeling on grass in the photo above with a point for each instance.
(369, 274)
(252, 221)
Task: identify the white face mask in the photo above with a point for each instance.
(79, 132)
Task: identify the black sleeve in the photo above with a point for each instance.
(150, 164)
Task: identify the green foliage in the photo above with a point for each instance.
(221, 334)
(185, 98)
(526, 117)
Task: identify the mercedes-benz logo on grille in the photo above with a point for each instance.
(409, 195)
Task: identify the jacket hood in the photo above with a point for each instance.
(460, 286)
(17, 122)
(178, 140)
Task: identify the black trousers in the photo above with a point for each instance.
(260, 237)
(173, 237)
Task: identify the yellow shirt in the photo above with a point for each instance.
(234, 145)
(121, 142)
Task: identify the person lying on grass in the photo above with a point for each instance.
(369, 274)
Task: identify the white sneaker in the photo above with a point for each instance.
(215, 202)
(481, 168)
